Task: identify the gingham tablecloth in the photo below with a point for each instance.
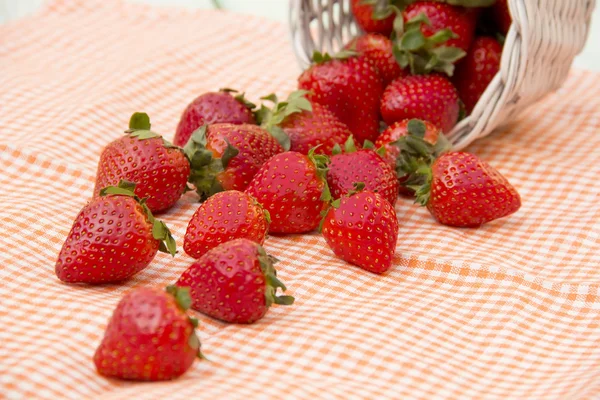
(511, 310)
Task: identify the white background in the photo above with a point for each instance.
(277, 10)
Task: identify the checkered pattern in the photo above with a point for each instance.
(511, 310)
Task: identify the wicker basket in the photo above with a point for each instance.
(545, 37)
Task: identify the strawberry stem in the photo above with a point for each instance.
(272, 282)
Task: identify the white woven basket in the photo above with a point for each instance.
(545, 37)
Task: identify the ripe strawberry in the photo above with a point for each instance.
(364, 165)
(159, 169)
(234, 282)
(213, 108)
(305, 125)
(378, 49)
(149, 337)
(114, 237)
(226, 156)
(400, 129)
(477, 70)
(348, 86)
(374, 17)
(436, 35)
(458, 188)
(362, 229)
(430, 98)
(292, 188)
(502, 16)
(224, 217)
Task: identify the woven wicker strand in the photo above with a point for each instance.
(540, 47)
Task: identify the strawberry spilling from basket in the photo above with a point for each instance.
(366, 125)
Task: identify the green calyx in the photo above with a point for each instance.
(160, 231)
(321, 163)
(241, 97)
(416, 158)
(350, 147)
(139, 127)
(383, 9)
(272, 282)
(426, 54)
(321, 58)
(270, 119)
(184, 301)
(204, 166)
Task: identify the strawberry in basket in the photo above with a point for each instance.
(430, 98)
(113, 237)
(458, 188)
(350, 87)
(475, 72)
(150, 336)
(361, 165)
(159, 169)
(225, 106)
(378, 49)
(304, 124)
(436, 35)
(234, 282)
(362, 228)
(374, 16)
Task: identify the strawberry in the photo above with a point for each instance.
(430, 98)
(213, 108)
(374, 16)
(159, 169)
(362, 229)
(149, 337)
(477, 70)
(501, 15)
(378, 49)
(305, 125)
(223, 217)
(113, 237)
(364, 165)
(226, 156)
(350, 87)
(400, 129)
(291, 186)
(458, 188)
(436, 35)
(234, 282)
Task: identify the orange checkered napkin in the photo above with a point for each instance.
(510, 310)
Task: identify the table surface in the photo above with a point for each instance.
(509, 310)
(277, 10)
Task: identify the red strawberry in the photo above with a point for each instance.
(374, 17)
(366, 166)
(502, 17)
(213, 108)
(430, 98)
(401, 129)
(477, 70)
(226, 156)
(113, 238)
(149, 337)
(362, 229)
(305, 125)
(159, 169)
(348, 86)
(436, 36)
(458, 188)
(224, 217)
(378, 49)
(292, 188)
(234, 282)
